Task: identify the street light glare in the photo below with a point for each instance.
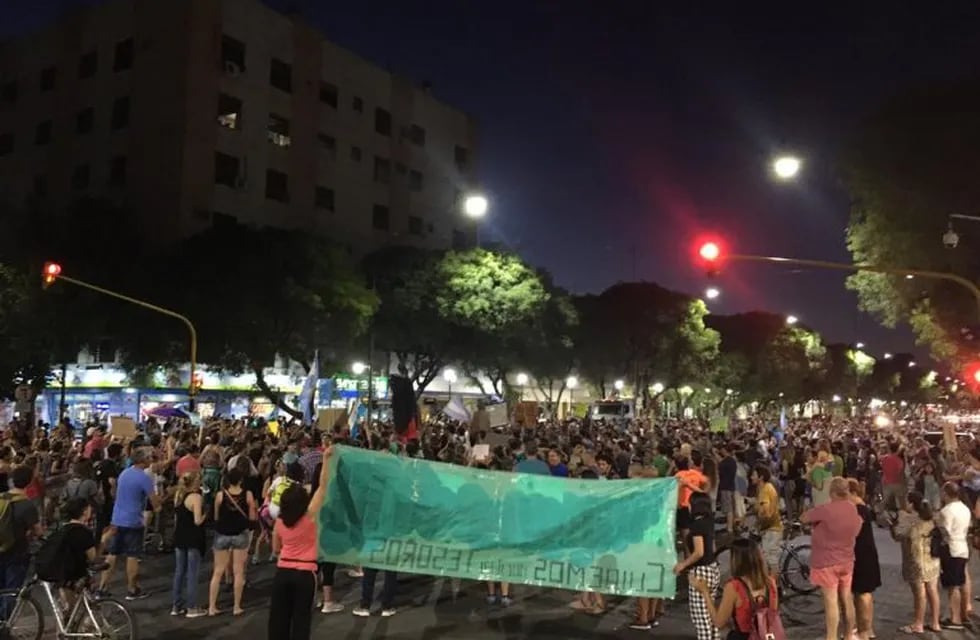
(711, 293)
(888, 356)
(791, 320)
(572, 382)
(619, 384)
(449, 375)
(658, 387)
(358, 368)
(710, 251)
(786, 167)
(475, 206)
(859, 345)
(521, 379)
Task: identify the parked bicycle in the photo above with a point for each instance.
(87, 617)
(794, 561)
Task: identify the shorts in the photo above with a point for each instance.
(739, 505)
(771, 546)
(238, 542)
(837, 577)
(127, 541)
(952, 572)
(326, 571)
(726, 502)
(683, 518)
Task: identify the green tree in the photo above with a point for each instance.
(910, 166)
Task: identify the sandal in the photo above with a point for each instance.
(909, 630)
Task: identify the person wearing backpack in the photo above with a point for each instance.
(64, 557)
(20, 521)
(749, 601)
(80, 485)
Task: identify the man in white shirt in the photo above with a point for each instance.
(955, 518)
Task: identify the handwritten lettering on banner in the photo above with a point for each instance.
(416, 516)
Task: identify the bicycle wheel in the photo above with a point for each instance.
(110, 619)
(796, 569)
(26, 621)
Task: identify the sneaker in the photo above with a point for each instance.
(362, 612)
(506, 602)
(178, 611)
(196, 612)
(387, 613)
(139, 594)
(641, 626)
(355, 573)
(331, 607)
(491, 600)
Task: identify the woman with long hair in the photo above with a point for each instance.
(294, 539)
(188, 545)
(701, 564)
(750, 583)
(867, 570)
(913, 528)
(234, 513)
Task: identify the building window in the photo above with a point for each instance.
(382, 170)
(357, 104)
(88, 64)
(277, 131)
(379, 218)
(85, 120)
(42, 133)
(328, 94)
(355, 154)
(48, 77)
(80, 177)
(281, 76)
(462, 157)
(382, 121)
(324, 198)
(417, 135)
(6, 143)
(415, 225)
(226, 170)
(328, 144)
(276, 185)
(8, 93)
(123, 60)
(120, 113)
(229, 112)
(232, 56)
(459, 239)
(117, 171)
(41, 185)
(415, 180)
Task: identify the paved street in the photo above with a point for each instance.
(428, 611)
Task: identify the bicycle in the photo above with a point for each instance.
(794, 561)
(88, 617)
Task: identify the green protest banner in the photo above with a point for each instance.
(399, 514)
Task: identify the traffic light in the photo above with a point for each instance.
(971, 375)
(50, 273)
(710, 254)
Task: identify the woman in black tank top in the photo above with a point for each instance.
(234, 513)
(188, 545)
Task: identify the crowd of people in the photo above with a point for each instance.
(250, 494)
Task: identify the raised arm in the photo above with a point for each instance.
(317, 500)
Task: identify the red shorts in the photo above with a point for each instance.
(838, 576)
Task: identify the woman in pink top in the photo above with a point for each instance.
(294, 540)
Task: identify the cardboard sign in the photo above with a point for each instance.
(122, 427)
(949, 437)
(481, 452)
(327, 418)
(497, 413)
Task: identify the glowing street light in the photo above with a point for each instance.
(911, 364)
(475, 206)
(836, 398)
(791, 320)
(571, 382)
(358, 368)
(658, 387)
(618, 385)
(859, 345)
(888, 356)
(522, 379)
(449, 375)
(786, 167)
(711, 293)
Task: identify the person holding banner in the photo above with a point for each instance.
(295, 541)
(700, 562)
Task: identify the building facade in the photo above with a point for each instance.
(193, 113)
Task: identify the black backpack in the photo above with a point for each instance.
(938, 545)
(51, 557)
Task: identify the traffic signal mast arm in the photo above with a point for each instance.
(843, 266)
(53, 273)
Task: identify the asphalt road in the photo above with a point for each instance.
(427, 610)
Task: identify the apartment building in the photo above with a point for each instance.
(196, 113)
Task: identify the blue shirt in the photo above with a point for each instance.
(561, 470)
(133, 489)
(533, 465)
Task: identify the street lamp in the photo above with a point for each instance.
(618, 385)
(711, 293)
(791, 320)
(358, 368)
(475, 207)
(911, 364)
(786, 167)
(658, 387)
(888, 356)
(859, 345)
(522, 379)
(449, 375)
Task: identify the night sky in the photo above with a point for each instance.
(616, 128)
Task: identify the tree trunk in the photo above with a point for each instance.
(276, 397)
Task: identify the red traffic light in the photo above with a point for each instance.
(709, 254)
(709, 251)
(50, 273)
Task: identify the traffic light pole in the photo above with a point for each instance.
(191, 388)
(843, 266)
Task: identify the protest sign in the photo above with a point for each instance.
(401, 514)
